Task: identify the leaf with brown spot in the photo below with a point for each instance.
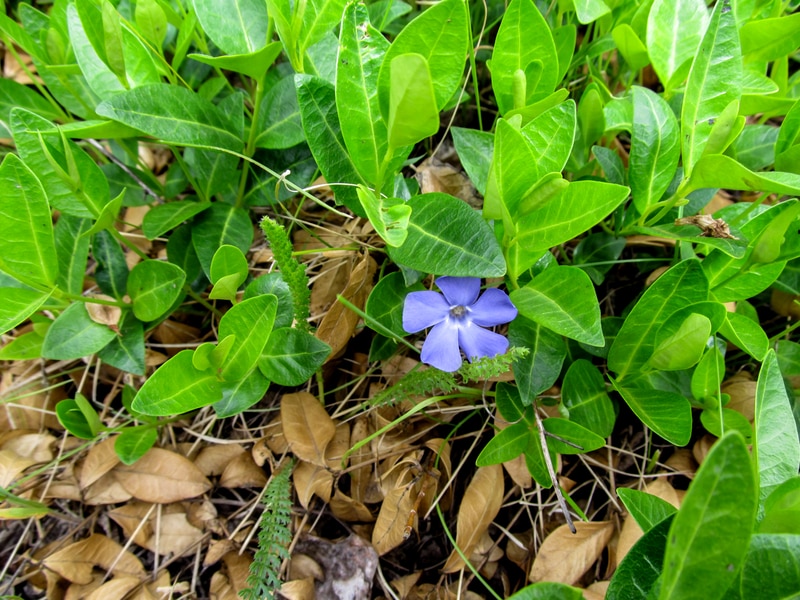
(339, 323)
(76, 562)
(564, 557)
(162, 476)
(479, 506)
(307, 427)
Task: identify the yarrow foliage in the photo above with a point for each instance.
(458, 317)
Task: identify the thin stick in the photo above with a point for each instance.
(551, 471)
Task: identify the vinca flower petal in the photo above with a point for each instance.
(492, 308)
(440, 349)
(478, 342)
(457, 318)
(424, 309)
(459, 291)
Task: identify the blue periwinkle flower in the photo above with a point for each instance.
(458, 317)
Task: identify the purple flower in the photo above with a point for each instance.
(458, 317)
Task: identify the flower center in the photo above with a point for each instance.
(458, 312)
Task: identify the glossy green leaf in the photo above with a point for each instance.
(236, 26)
(523, 39)
(680, 286)
(111, 272)
(27, 244)
(782, 509)
(684, 348)
(583, 394)
(126, 350)
(154, 286)
(474, 150)
(79, 417)
(776, 450)
(319, 17)
(690, 233)
(173, 114)
(279, 124)
(674, 31)
(770, 39)
(786, 145)
(630, 46)
(152, 21)
(164, 217)
(448, 237)
(717, 170)
(238, 396)
(291, 356)
(655, 148)
(636, 575)
(251, 322)
(389, 216)
(771, 568)
(646, 509)
(509, 402)
(720, 505)
(513, 175)
(534, 460)
(361, 52)
(23, 347)
(551, 135)
(574, 210)
(746, 334)
(547, 590)
(439, 35)
(229, 260)
(668, 414)
(507, 444)
(273, 283)
(253, 64)
(317, 101)
(588, 11)
(563, 300)
(719, 420)
(413, 115)
(219, 225)
(74, 335)
(177, 387)
(132, 442)
(570, 438)
(725, 130)
(708, 374)
(714, 82)
(17, 304)
(538, 370)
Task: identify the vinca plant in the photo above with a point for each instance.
(623, 238)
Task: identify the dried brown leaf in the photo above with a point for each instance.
(346, 509)
(596, 591)
(307, 427)
(337, 447)
(103, 313)
(106, 490)
(392, 518)
(213, 459)
(564, 557)
(100, 459)
(118, 587)
(76, 562)
(311, 480)
(242, 472)
(338, 325)
(479, 506)
(238, 568)
(38, 447)
(299, 589)
(12, 466)
(162, 476)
